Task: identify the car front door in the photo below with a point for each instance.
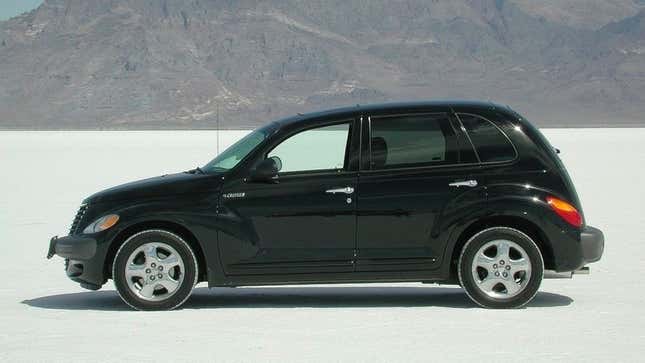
(416, 170)
(304, 221)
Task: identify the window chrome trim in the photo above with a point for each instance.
(422, 168)
(465, 132)
(316, 173)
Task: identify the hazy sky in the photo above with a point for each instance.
(11, 8)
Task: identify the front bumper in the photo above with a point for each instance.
(72, 247)
(83, 259)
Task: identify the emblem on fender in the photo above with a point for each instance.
(234, 195)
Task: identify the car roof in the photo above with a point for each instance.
(395, 106)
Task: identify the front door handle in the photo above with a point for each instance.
(346, 190)
(466, 183)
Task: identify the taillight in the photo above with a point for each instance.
(565, 210)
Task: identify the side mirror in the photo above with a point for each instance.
(267, 171)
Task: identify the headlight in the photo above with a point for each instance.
(102, 224)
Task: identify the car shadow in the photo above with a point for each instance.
(294, 297)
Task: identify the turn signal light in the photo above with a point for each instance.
(565, 210)
(102, 224)
(108, 222)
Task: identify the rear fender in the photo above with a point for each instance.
(523, 204)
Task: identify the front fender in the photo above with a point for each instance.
(196, 214)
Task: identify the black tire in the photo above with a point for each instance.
(467, 278)
(182, 292)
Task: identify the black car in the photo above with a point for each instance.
(466, 193)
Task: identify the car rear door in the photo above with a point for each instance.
(417, 171)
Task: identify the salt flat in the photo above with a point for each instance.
(44, 316)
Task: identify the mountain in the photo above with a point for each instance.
(86, 64)
(581, 14)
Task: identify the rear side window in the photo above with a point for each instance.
(489, 141)
(412, 140)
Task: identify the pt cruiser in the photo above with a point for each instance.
(466, 193)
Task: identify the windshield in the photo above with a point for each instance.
(236, 152)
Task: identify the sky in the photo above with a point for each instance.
(11, 8)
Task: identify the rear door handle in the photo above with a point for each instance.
(466, 183)
(346, 190)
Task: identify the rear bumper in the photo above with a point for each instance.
(574, 249)
(592, 241)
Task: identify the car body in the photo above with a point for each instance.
(378, 193)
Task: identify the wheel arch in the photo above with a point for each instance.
(169, 226)
(522, 224)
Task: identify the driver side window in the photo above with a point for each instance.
(322, 148)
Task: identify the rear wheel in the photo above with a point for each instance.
(154, 270)
(501, 267)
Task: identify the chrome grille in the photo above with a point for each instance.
(78, 218)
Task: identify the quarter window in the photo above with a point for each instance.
(489, 141)
(322, 148)
(410, 141)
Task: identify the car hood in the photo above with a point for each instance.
(160, 186)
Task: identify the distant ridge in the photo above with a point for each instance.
(140, 64)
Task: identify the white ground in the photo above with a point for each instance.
(44, 316)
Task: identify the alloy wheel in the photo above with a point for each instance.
(501, 269)
(154, 271)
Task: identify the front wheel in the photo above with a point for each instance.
(154, 270)
(501, 268)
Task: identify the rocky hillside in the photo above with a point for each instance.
(179, 64)
(582, 14)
